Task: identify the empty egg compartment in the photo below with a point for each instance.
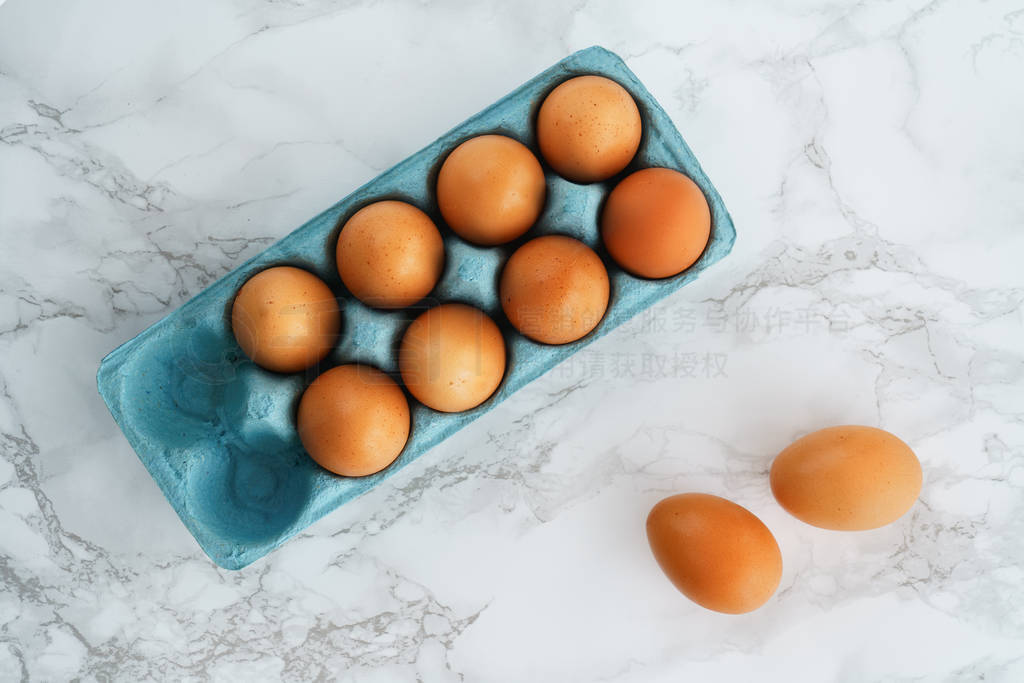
(218, 433)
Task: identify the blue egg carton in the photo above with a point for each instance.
(217, 432)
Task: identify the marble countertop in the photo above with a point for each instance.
(871, 156)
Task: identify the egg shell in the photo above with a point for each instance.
(717, 553)
(847, 478)
(452, 357)
(353, 420)
(554, 289)
(491, 189)
(390, 254)
(285, 319)
(656, 223)
(589, 128)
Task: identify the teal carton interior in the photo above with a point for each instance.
(217, 432)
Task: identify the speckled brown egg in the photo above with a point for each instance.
(847, 478)
(452, 357)
(589, 128)
(656, 223)
(353, 420)
(285, 319)
(390, 254)
(554, 289)
(491, 189)
(717, 553)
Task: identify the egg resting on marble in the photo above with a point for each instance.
(589, 128)
(390, 254)
(353, 420)
(554, 289)
(491, 189)
(656, 223)
(452, 357)
(847, 478)
(285, 319)
(717, 553)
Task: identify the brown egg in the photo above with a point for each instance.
(390, 254)
(353, 420)
(491, 189)
(588, 128)
(452, 357)
(848, 478)
(715, 552)
(656, 223)
(554, 289)
(285, 319)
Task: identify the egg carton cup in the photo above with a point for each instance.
(217, 432)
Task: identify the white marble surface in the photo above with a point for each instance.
(872, 155)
